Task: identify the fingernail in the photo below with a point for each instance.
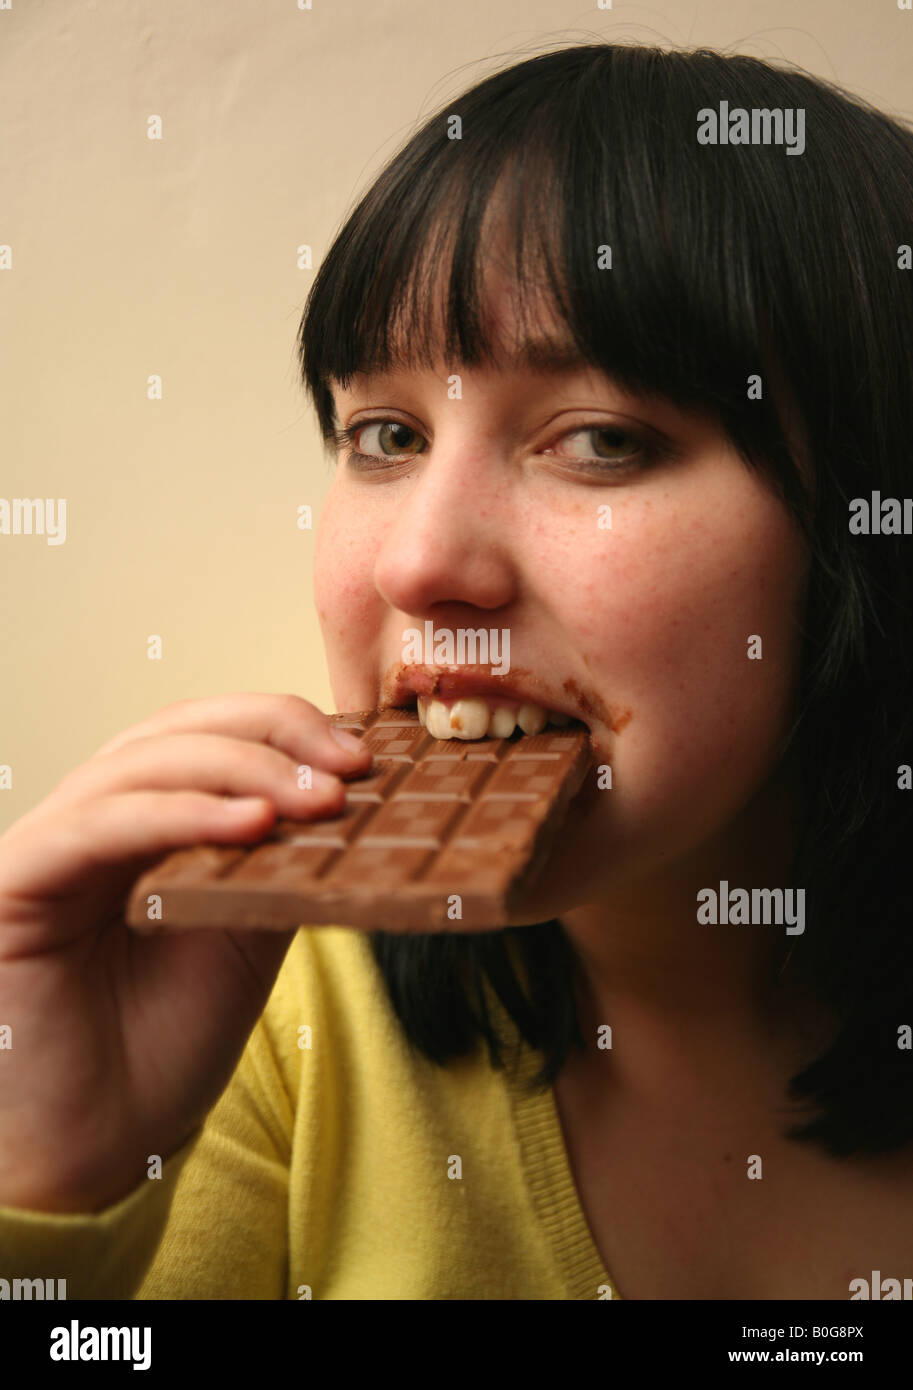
(347, 741)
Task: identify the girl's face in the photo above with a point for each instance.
(674, 634)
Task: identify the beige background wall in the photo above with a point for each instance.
(178, 257)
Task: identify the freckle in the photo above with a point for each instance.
(727, 1158)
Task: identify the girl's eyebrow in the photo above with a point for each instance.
(559, 356)
(549, 355)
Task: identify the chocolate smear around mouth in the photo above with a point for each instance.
(616, 717)
(429, 681)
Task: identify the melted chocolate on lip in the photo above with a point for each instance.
(615, 717)
(594, 706)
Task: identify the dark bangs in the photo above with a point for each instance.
(690, 271)
(656, 252)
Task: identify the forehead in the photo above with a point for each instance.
(521, 331)
(523, 334)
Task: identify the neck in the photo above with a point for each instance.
(679, 992)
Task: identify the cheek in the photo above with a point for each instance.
(664, 609)
(343, 568)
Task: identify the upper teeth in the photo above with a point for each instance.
(474, 718)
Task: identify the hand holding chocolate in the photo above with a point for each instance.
(443, 833)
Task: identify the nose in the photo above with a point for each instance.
(454, 534)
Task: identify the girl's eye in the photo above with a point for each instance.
(612, 450)
(391, 433)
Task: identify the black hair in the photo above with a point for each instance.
(726, 262)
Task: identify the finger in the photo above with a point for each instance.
(206, 762)
(285, 722)
(114, 830)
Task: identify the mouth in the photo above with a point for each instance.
(468, 704)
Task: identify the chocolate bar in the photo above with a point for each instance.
(444, 833)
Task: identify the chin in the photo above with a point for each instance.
(567, 879)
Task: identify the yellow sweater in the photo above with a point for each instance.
(339, 1164)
